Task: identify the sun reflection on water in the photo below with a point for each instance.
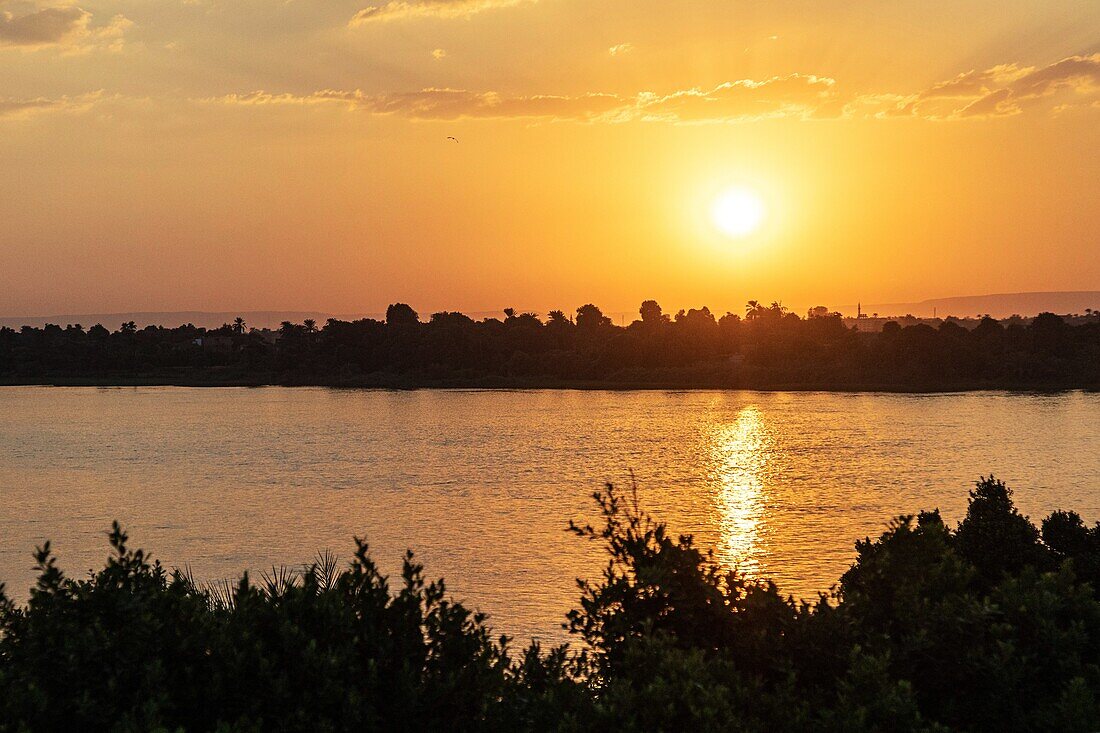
(741, 451)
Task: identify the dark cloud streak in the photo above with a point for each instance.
(43, 27)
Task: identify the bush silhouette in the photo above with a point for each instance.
(986, 627)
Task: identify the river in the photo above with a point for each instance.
(481, 484)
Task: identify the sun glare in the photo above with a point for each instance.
(738, 212)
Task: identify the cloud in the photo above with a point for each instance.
(621, 49)
(451, 104)
(261, 98)
(797, 95)
(994, 104)
(444, 104)
(973, 83)
(43, 27)
(68, 27)
(110, 36)
(405, 9)
(23, 108)
(1076, 76)
(1001, 90)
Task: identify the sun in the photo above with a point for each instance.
(738, 212)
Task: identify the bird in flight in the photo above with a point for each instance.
(452, 138)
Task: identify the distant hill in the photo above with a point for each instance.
(203, 319)
(998, 305)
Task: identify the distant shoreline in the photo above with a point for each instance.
(399, 383)
(770, 349)
(999, 305)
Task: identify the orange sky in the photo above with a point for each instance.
(292, 154)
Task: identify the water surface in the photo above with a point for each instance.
(481, 483)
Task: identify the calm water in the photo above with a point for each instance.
(481, 484)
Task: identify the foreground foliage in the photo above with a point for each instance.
(990, 626)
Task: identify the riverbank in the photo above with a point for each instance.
(212, 378)
(774, 352)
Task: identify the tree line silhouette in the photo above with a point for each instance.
(767, 347)
(993, 625)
